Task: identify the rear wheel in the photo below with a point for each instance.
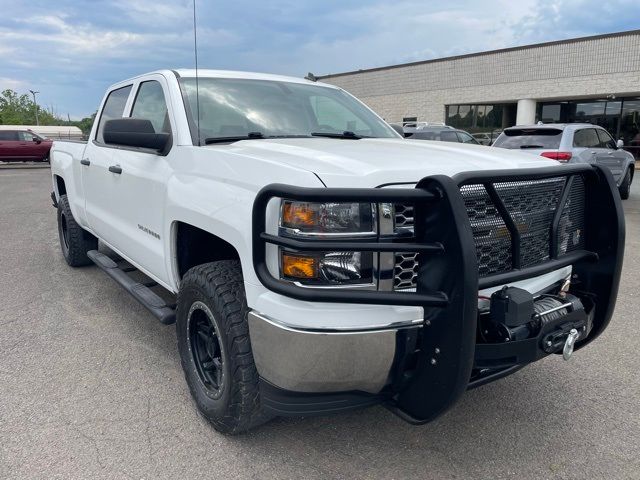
(214, 346)
(625, 186)
(75, 242)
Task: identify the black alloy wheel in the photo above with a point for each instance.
(206, 349)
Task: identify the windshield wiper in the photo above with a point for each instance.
(346, 135)
(249, 136)
(531, 146)
(236, 138)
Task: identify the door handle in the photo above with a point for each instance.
(115, 169)
(593, 153)
(85, 161)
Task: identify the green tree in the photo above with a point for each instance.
(86, 123)
(18, 109)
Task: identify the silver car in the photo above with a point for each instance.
(573, 143)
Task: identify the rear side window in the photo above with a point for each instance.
(586, 138)
(151, 105)
(113, 108)
(605, 140)
(529, 138)
(8, 136)
(448, 136)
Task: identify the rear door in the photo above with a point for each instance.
(97, 180)
(9, 145)
(610, 156)
(586, 145)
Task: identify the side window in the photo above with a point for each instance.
(26, 136)
(605, 140)
(586, 138)
(8, 136)
(151, 105)
(446, 136)
(331, 116)
(113, 108)
(466, 138)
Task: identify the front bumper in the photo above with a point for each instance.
(448, 283)
(319, 361)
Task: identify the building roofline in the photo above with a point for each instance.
(487, 52)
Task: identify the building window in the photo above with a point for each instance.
(481, 118)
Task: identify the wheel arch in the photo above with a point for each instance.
(60, 186)
(193, 245)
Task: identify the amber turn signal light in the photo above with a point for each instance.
(298, 266)
(298, 214)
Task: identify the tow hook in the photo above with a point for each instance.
(569, 343)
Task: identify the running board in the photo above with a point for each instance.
(141, 292)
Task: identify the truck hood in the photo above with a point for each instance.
(373, 162)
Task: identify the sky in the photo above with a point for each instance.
(72, 50)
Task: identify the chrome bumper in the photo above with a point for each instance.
(318, 362)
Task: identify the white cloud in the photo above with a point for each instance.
(74, 51)
(12, 83)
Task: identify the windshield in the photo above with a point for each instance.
(231, 107)
(529, 138)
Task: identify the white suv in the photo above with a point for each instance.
(573, 143)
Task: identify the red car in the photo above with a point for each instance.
(23, 145)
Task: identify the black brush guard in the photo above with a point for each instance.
(448, 282)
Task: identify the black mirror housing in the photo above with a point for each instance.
(135, 132)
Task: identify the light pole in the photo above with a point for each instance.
(35, 105)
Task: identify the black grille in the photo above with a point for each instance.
(405, 271)
(403, 215)
(532, 206)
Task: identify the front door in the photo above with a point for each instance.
(139, 192)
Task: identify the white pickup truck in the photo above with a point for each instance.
(315, 261)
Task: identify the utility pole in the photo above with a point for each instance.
(35, 104)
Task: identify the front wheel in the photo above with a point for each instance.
(214, 346)
(625, 186)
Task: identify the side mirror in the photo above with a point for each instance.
(620, 143)
(37, 140)
(135, 132)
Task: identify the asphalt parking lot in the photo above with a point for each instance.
(91, 387)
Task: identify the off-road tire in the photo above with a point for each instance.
(235, 407)
(75, 242)
(625, 186)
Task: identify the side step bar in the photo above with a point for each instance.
(140, 291)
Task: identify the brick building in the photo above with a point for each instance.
(591, 79)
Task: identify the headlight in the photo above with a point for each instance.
(317, 220)
(327, 268)
(331, 219)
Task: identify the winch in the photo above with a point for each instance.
(516, 315)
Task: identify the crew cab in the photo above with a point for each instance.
(315, 261)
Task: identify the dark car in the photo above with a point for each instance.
(442, 134)
(24, 145)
